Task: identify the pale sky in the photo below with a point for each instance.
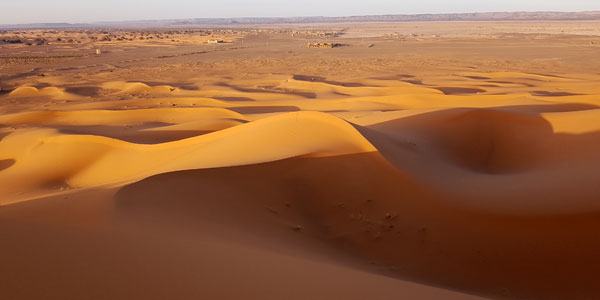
(85, 11)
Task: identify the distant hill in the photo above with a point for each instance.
(488, 16)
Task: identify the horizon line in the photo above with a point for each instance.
(90, 23)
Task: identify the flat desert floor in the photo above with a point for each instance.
(415, 161)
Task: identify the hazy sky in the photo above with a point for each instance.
(31, 11)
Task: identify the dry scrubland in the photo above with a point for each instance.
(417, 161)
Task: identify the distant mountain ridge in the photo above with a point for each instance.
(487, 16)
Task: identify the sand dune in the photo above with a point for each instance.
(88, 161)
(464, 182)
(29, 91)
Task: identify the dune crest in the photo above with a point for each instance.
(95, 161)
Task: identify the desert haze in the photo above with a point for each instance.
(396, 160)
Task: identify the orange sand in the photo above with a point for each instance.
(281, 186)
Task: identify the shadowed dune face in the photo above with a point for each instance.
(459, 90)
(202, 258)
(495, 161)
(134, 134)
(487, 141)
(264, 109)
(234, 99)
(6, 163)
(347, 174)
(181, 85)
(554, 94)
(478, 77)
(5, 91)
(395, 223)
(271, 89)
(323, 80)
(89, 91)
(3, 135)
(494, 142)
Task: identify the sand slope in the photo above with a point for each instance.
(485, 183)
(95, 161)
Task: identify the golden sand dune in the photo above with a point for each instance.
(29, 91)
(88, 161)
(481, 182)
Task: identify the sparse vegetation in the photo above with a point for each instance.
(323, 45)
(12, 41)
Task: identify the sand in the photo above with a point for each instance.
(454, 166)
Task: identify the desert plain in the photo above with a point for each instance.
(418, 160)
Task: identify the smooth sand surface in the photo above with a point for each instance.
(419, 168)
